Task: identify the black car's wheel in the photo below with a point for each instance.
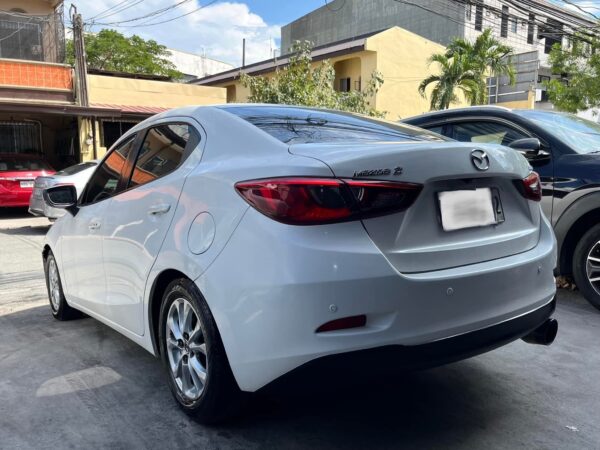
(58, 303)
(193, 356)
(586, 265)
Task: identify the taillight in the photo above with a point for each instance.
(311, 201)
(530, 187)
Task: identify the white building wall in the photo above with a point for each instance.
(196, 66)
(518, 25)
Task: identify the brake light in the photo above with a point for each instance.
(311, 201)
(531, 187)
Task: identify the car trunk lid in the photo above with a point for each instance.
(415, 240)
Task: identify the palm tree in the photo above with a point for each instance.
(488, 56)
(455, 73)
(466, 66)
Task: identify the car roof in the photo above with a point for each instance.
(486, 109)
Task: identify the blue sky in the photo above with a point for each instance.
(218, 28)
(285, 10)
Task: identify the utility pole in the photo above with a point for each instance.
(87, 126)
(244, 52)
(81, 87)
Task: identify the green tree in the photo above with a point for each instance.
(111, 50)
(580, 65)
(466, 66)
(301, 83)
(455, 74)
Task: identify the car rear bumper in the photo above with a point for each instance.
(272, 287)
(15, 199)
(392, 358)
(38, 207)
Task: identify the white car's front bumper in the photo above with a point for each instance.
(269, 291)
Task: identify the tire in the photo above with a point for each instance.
(583, 268)
(194, 358)
(58, 303)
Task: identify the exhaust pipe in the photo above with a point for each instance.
(544, 334)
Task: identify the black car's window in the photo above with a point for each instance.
(292, 125)
(164, 148)
(436, 129)
(105, 180)
(20, 163)
(485, 132)
(582, 135)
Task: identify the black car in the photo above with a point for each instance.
(565, 150)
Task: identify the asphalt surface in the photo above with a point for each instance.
(81, 385)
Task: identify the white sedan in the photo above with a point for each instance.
(240, 243)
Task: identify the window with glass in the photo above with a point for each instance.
(484, 132)
(105, 180)
(164, 148)
(582, 135)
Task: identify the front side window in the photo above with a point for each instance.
(163, 150)
(483, 132)
(105, 180)
(582, 135)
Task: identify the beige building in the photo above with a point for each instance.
(399, 55)
(124, 100)
(39, 109)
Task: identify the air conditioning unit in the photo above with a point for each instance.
(36, 50)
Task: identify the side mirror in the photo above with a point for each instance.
(527, 146)
(63, 197)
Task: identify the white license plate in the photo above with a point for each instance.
(26, 184)
(466, 209)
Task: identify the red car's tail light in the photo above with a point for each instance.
(311, 201)
(530, 187)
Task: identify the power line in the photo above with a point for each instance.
(149, 15)
(103, 14)
(585, 11)
(119, 24)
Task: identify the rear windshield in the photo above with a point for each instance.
(77, 168)
(22, 163)
(292, 125)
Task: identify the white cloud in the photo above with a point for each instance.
(216, 30)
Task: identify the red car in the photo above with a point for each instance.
(17, 175)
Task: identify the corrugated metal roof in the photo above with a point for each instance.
(132, 109)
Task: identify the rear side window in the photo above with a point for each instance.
(164, 148)
(105, 180)
(16, 164)
(484, 132)
(293, 125)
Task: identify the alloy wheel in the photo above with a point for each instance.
(54, 284)
(186, 349)
(593, 267)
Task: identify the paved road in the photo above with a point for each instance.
(80, 384)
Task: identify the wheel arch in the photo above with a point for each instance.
(572, 224)
(45, 251)
(157, 291)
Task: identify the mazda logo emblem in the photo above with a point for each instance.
(480, 160)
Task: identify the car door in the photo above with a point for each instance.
(139, 217)
(503, 132)
(82, 237)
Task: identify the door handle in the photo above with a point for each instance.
(94, 225)
(158, 210)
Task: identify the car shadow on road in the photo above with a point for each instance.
(421, 409)
(28, 230)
